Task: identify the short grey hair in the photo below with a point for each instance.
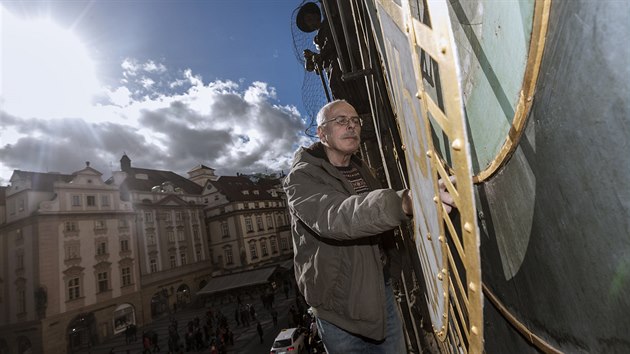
(324, 111)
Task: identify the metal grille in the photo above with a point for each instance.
(313, 95)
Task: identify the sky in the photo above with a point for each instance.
(171, 83)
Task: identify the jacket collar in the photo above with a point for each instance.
(317, 150)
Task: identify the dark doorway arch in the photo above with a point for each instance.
(183, 295)
(24, 345)
(124, 316)
(4, 347)
(159, 303)
(81, 332)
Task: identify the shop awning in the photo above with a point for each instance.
(237, 280)
(287, 265)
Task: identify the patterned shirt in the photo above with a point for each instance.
(354, 177)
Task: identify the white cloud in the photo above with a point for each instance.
(162, 118)
(221, 124)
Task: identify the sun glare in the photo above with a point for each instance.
(45, 70)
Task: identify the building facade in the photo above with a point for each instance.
(83, 258)
(247, 222)
(68, 261)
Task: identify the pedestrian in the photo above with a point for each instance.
(274, 317)
(260, 331)
(342, 224)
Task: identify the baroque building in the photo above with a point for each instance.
(82, 258)
(247, 222)
(172, 242)
(68, 261)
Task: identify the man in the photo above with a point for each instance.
(339, 213)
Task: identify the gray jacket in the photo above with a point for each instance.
(338, 265)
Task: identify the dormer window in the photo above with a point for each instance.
(255, 192)
(245, 192)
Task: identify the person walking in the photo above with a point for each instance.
(259, 329)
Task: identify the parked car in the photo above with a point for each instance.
(289, 341)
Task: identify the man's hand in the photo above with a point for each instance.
(447, 199)
(407, 203)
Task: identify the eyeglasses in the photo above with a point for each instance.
(345, 120)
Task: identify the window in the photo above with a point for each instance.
(259, 223)
(182, 258)
(74, 289)
(197, 255)
(266, 204)
(101, 248)
(21, 297)
(255, 204)
(170, 235)
(180, 235)
(153, 266)
(76, 200)
(125, 276)
(123, 223)
(228, 255)
(90, 200)
(148, 217)
(284, 244)
(71, 226)
(263, 248)
(72, 251)
(20, 204)
(252, 250)
(103, 283)
(99, 224)
(18, 236)
(19, 259)
(179, 216)
(173, 260)
(150, 239)
(269, 222)
(279, 221)
(248, 224)
(168, 216)
(196, 233)
(11, 207)
(124, 245)
(225, 231)
(104, 200)
(274, 246)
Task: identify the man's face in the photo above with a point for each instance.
(341, 139)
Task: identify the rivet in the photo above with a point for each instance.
(435, 199)
(529, 98)
(457, 145)
(429, 236)
(444, 316)
(403, 147)
(418, 95)
(441, 239)
(429, 154)
(440, 276)
(472, 287)
(474, 330)
(407, 28)
(445, 294)
(468, 227)
(443, 50)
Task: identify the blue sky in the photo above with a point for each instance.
(171, 83)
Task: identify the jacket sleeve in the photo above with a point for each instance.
(334, 214)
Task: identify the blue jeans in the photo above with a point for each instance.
(339, 341)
